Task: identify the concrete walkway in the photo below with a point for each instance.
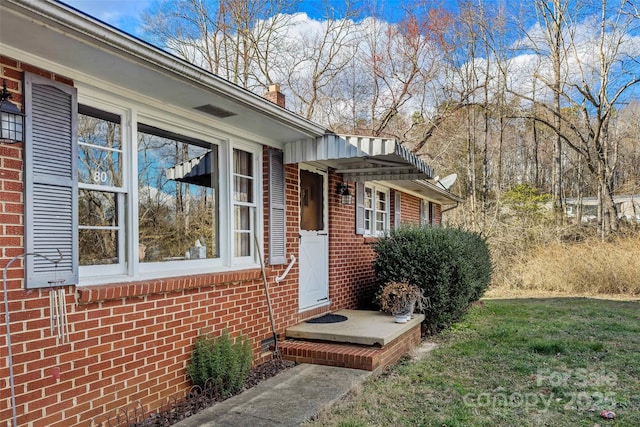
(288, 399)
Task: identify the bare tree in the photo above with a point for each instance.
(605, 71)
(403, 61)
(236, 39)
(315, 59)
(553, 18)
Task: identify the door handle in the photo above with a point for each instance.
(323, 234)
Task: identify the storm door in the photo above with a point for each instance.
(314, 239)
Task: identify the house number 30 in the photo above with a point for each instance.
(100, 177)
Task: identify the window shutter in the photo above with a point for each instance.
(277, 209)
(360, 208)
(434, 214)
(397, 218)
(51, 183)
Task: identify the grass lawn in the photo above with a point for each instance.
(522, 362)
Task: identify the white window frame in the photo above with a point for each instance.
(370, 228)
(428, 212)
(255, 222)
(122, 194)
(424, 212)
(131, 114)
(187, 266)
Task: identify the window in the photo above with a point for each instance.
(376, 210)
(101, 195)
(177, 197)
(424, 212)
(428, 213)
(244, 204)
(175, 188)
(149, 201)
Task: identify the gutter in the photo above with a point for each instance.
(90, 29)
(445, 193)
(449, 208)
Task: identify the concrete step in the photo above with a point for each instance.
(368, 341)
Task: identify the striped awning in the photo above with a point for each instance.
(360, 158)
(194, 171)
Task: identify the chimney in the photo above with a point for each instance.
(274, 95)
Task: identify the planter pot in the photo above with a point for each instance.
(402, 318)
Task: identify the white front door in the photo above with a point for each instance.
(314, 238)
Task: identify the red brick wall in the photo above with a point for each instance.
(127, 343)
(284, 296)
(351, 276)
(409, 208)
(350, 255)
(130, 341)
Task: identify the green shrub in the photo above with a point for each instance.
(224, 360)
(451, 266)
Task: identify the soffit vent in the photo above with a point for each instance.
(215, 111)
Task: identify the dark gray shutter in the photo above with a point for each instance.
(360, 208)
(397, 218)
(277, 209)
(51, 183)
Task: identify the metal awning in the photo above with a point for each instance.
(194, 171)
(360, 158)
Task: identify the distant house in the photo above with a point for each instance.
(160, 185)
(628, 207)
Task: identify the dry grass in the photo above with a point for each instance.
(589, 267)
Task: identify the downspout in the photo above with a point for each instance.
(449, 209)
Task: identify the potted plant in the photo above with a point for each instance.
(400, 299)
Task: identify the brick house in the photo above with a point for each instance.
(161, 184)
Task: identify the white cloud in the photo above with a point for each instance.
(122, 14)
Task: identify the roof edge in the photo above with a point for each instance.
(445, 193)
(94, 30)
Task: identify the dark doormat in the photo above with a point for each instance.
(328, 318)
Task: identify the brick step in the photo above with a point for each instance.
(368, 358)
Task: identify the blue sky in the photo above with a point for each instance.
(122, 14)
(125, 14)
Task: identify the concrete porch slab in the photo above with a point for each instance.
(361, 327)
